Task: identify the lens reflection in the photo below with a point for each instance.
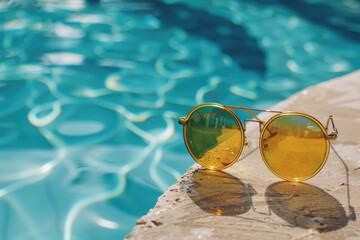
(294, 147)
(214, 137)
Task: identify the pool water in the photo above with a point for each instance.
(90, 93)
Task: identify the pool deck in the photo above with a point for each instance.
(246, 201)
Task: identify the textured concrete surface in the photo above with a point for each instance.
(246, 201)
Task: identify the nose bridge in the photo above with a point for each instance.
(252, 120)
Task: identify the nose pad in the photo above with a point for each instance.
(246, 143)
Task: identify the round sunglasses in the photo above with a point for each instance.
(293, 145)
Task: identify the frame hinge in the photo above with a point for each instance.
(331, 136)
(182, 120)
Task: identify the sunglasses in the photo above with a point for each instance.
(293, 145)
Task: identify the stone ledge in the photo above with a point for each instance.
(246, 201)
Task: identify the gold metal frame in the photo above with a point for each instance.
(262, 126)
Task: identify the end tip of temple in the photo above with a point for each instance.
(333, 135)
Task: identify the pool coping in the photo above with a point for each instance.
(246, 210)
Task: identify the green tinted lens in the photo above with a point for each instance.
(294, 147)
(214, 137)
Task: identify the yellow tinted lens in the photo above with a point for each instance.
(214, 137)
(294, 147)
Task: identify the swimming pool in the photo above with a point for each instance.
(90, 93)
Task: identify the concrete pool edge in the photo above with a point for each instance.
(246, 210)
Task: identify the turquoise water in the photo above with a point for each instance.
(90, 93)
